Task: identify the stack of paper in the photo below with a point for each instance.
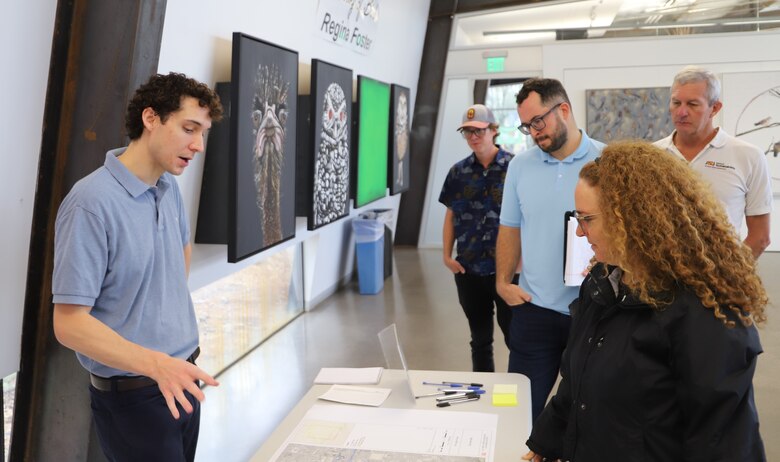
(349, 375)
(578, 255)
(357, 395)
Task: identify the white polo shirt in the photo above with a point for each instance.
(737, 172)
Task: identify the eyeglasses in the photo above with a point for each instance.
(537, 123)
(469, 132)
(583, 220)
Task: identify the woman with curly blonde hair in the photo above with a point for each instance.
(663, 345)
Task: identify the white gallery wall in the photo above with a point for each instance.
(614, 63)
(27, 34)
(197, 41)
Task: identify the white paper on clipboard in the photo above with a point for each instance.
(577, 256)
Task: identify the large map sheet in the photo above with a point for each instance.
(347, 433)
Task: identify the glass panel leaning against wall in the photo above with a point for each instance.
(9, 392)
(238, 312)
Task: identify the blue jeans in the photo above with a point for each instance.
(537, 339)
(477, 295)
(137, 425)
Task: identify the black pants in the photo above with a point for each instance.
(136, 425)
(477, 296)
(539, 336)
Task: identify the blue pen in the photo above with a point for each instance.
(446, 384)
(462, 384)
(476, 390)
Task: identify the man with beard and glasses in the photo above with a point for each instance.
(539, 189)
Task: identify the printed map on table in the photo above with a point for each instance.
(335, 432)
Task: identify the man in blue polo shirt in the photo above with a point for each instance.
(539, 190)
(121, 258)
(472, 193)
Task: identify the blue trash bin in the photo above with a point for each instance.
(369, 250)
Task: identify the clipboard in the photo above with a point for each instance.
(577, 252)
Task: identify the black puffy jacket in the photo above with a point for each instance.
(651, 385)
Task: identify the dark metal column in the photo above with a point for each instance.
(426, 107)
(102, 50)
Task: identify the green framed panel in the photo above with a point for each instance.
(373, 119)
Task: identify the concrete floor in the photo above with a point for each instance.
(258, 392)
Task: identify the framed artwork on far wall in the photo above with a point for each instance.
(751, 112)
(628, 113)
(373, 127)
(398, 156)
(264, 89)
(331, 131)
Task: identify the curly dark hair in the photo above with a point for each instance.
(163, 93)
(550, 91)
(668, 229)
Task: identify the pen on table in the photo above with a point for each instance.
(461, 384)
(454, 384)
(450, 403)
(440, 393)
(458, 396)
(477, 389)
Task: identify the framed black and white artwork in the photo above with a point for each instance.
(264, 90)
(398, 155)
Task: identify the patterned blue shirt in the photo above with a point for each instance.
(474, 195)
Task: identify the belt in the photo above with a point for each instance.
(122, 383)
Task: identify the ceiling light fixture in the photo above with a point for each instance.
(723, 22)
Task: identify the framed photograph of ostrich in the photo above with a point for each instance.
(331, 131)
(264, 100)
(398, 156)
(373, 127)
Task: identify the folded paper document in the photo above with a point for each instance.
(349, 375)
(363, 396)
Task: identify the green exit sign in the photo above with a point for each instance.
(495, 64)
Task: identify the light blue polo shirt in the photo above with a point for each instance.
(538, 190)
(119, 248)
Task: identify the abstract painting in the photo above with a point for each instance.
(331, 111)
(263, 136)
(628, 113)
(398, 170)
(373, 127)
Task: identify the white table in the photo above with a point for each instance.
(514, 423)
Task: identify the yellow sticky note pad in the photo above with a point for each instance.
(505, 395)
(504, 400)
(505, 389)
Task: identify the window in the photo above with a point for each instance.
(500, 99)
(9, 390)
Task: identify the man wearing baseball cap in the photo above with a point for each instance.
(472, 193)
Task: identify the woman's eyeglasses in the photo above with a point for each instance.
(583, 220)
